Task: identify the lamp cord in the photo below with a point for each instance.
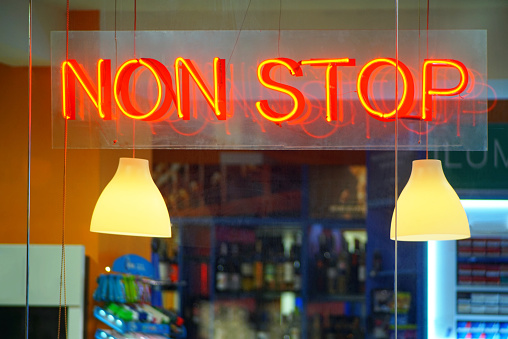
(396, 157)
(134, 120)
(427, 123)
(63, 269)
(238, 35)
(28, 204)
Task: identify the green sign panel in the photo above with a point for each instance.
(479, 170)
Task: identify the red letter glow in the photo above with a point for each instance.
(407, 99)
(331, 81)
(121, 89)
(428, 91)
(264, 69)
(217, 102)
(72, 71)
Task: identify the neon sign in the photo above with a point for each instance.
(217, 102)
(341, 96)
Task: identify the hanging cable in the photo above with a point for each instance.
(427, 123)
(238, 35)
(63, 283)
(28, 203)
(396, 158)
(134, 120)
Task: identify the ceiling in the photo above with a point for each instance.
(49, 15)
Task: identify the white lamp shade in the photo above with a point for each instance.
(131, 204)
(428, 208)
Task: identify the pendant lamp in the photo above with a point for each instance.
(428, 208)
(131, 204)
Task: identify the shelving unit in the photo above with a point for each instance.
(481, 303)
(202, 228)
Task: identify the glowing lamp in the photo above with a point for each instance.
(428, 208)
(131, 204)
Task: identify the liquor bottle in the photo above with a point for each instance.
(361, 267)
(316, 327)
(331, 267)
(279, 264)
(343, 268)
(173, 267)
(321, 264)
(247, 269)
(331, 275)
(354, 270)
(295, 255)
(377, 263)
(258, 266)
(269, 267)
(288, 278)
(221, 270)
(235, 281)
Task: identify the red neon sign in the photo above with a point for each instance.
(428, 91)
(331, 81)
(404, 106)
(264, 109)
(121, 89)
(216, 102)
(71, 72)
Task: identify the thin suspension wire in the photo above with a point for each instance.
(116, 66)
(134, 120)
(238, 35)
(278, 36)
(427, 123)
(63, 282)
(396, 157)
(419, 29)
(28, 203)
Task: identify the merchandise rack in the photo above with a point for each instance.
(129, 326)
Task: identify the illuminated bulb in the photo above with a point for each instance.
(131, 204)
(108, 269)
(428, 208)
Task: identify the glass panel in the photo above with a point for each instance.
(459, 122)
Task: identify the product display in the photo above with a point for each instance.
(126, 308)
(337, 270)
(481, 289)
(269, 263)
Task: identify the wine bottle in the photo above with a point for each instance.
(234, 271)
(343, 268)
(221, 270)
(247, 269)
(258, 266)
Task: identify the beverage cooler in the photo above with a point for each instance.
(468, 279)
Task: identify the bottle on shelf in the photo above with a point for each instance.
(269, 266)
(258, 266)
(280, 264)
(362, 274)
(288, 265)
(173, 267)
(321, 264)
(295, 255)
(235, 282)
(221, 270)
(247, 269)
(343, 268)
(354, 269)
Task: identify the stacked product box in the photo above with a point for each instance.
(482, 261)
(482, 303)
(482, 330)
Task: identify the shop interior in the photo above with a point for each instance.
(265, 243)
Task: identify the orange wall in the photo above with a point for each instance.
(88, 171)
